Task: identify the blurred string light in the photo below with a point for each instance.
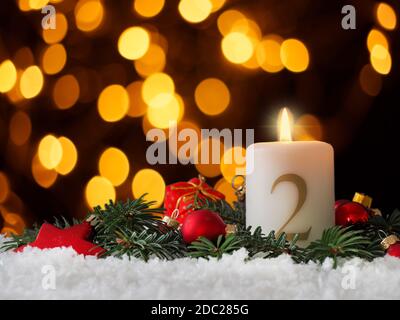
(8, 76)
(370, 81)
(133, 43)
(89, 15)
(113, 103)
(4, 187)
(50, 151)
(31, 82)
(37, 4)
(13, 223)
(217, 4)
(114, 165)
(44, 177)
(308, 127)
(69, 156)
(99, 191)
(237, 47)
(376, 37)
(233, 162)
(226, 189)
(15, 95)
(381, 59)
(184, 157)
(54, 59)
(195, 11)
(294, 55)
(227, 20)
(162, 116)
(148, 8)
(209, 146)
(151, 182)
(56, 35)
(212, 96)
(20, 128)
(386, 16)
(158, 90)
(153, 61)
(137, 107)
(268, 53)
(66, 91)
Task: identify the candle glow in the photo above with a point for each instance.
(285, 126)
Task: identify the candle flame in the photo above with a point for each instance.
(284, 125)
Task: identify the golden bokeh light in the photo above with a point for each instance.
(43, 176)
(370, 81)
(51, 36)
(146, 126)
(66, 91)
(137, 107)
(376, 37)
(99, 191)
(158, 90)
(4, 187)
(237, 47)
(195, 11)
(113, 103)
(227, 19)
(89, 15)
(148, 8)
(8, 76)
(20, 128)
(13, 221)
(217, 4)
(386, 16)
(31, 82)
(151, 182)
(15, 94)
(163, 116)
(37, 4)
(54, 59)
(226, 189)
(212, 148)
(114, 165)
(212, 96)
(69, 156)
(268, 54)
(381, 59)
(294, 55)
(233, 162)
(133, 43)
(308, 127)
(23, 5)
(50, 152)
(184, 157)
(152, 62)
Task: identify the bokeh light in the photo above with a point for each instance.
(8, 76)
(99, 191)
(212, 96)
(195, 11)
(51, 36)
(184, 155)
(37, 4)
(237, 47)
(208, 150)
(66, 91)
(370, 81)
(114, 165)
(69, 156)
(376, 37)
(217, 4)
(268, 54)
(386, 16)
(20, 128)
(43, 176)
(31, 82)
(381, 59)
(133, 43)
(89, 15)
(233, 162)
(294, 55)
(4, 187)
(308, 127)
(148, 8)
(151, 182)
(54, 59)
(113, 103)
(158, 90)
(226, 189)
(162, 116)
(50, 151)
(152, 62)
(137, 107)
(227, 20)
(13, 221)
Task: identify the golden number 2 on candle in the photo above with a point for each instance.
(302, 191)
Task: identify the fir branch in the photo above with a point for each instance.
(231, 215)
(204, 248)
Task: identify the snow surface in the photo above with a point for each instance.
(22, 276)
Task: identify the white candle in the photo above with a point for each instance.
(290, 185)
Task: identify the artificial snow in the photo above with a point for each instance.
(62, 274)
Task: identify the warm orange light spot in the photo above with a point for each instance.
(166, 115)
(308, 127)
(66, 92)
(43, 176)
(237, 47)
(370, 81)
(37, 4)
(208, 155)
(227, 19)
(31, 82)
(114, 165)
(195, 11)
(137, 107)
(285, 125)
(113, 103)
(148, 8)
(158, 90)
(233, 162)
(386, 16)
(56, 35)
(217, 4)
(294, 55)
(69, 156)
(212, 96)
(8, 76)
(20, 128)
(381, 59)
(376, 37)
(133, 43)
(4, 187)
(146, 126)
(184, 157)
(268, 54)
(89, 14)
(99, 191)
(226, 189)
(14, 221)
(151, 182)
(54, 59)
(50, 151)
(153, 61)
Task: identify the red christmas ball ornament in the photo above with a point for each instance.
(338, 203)
(348, 213)
(394, 250)
(202, 223)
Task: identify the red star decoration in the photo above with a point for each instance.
(76, 237)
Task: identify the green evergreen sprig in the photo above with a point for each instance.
(204, 248)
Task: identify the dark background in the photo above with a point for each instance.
(363, 130)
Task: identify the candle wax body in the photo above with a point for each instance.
(290, 181)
